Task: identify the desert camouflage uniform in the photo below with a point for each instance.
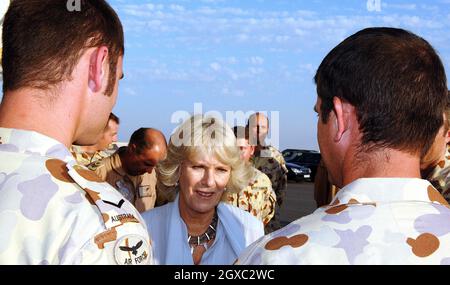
(111, 149)
(370, 221)
(257, 198)
(271, 162)
(440, 176)
(131, 187)
(84, 158)
(53, 211)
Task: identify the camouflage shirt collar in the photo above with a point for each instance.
(439, 174)
(265, 151)
(382, 190)
(30, 142)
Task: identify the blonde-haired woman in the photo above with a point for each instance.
(202, 162)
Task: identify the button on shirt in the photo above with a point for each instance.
(53, 211)
(370, 221)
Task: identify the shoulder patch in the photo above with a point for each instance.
(132, 250)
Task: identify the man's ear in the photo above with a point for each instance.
(252, 150)
(343, 112)
(96, 68)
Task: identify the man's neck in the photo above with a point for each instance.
(90, 149)
(388, 163)
(31, 110)
(122, 151)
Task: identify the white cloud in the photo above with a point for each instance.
(300, 32)
(242, 37)
(256, 60)
(177, 8)
(399, 6)
(230, 92)
(281, 29)
(308, 67)
(256, 70)
(130, 91)
(207, 11)
(281, 39)
(231, 60)
(212, 1)
(216, 30)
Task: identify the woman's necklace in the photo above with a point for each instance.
(204, 238)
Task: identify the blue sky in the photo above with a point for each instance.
(248, 55)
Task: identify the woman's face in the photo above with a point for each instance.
(202, 182)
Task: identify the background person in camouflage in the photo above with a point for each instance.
(257, 197)
(269, 161)
(86, 155)
(435, 165)
(381, 96)
(54, 211)
(130, 169)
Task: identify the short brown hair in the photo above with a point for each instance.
(43, 41)
(396, 82)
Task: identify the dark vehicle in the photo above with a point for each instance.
(298, 172)
(301, 157)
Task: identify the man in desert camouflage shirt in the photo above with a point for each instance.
(52, 210)
(269, 161)
(257, 198)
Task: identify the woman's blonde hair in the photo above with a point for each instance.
(210, 136)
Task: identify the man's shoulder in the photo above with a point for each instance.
(120, 217)
(277, 155)
(47, 195)
(274, 150)
(289, 245)
(261, 179)
(271, 154)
